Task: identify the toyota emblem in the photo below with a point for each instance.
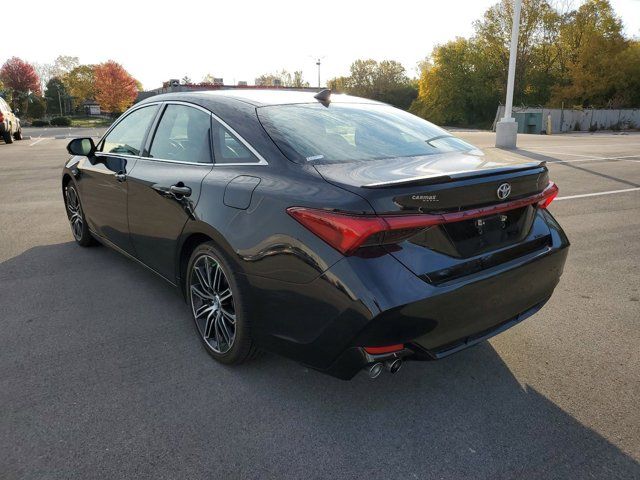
(504, 191)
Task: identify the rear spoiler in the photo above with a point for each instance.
(421, 181)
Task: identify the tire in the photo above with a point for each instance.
(73, 207)
(18, 135)
(215, 298)
(6, 135)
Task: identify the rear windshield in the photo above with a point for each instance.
(342, 132)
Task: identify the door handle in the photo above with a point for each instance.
(121, 177)
(180, 190)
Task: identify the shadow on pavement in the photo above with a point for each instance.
(103, 377)
(545, 158)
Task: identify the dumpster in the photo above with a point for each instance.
(529, 122)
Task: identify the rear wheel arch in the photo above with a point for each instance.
(191, 240)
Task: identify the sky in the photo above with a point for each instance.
(241, 39)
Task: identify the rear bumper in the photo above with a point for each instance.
(377, 301)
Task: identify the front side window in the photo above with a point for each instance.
(183, 134)
(127, 136)
(350, 132)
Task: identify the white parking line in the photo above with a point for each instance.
(37, 141)
(610, 192)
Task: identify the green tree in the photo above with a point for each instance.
(80, 83)
(593, 53)
(385, 81)
(577, 57)
(56, 96)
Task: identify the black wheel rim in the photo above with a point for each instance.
(212, 304)
(74, 212)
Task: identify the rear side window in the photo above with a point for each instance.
(228, 148)
(183, 134)
(126, 137)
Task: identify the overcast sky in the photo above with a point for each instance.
(241, 39)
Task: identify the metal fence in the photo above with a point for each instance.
(571, 120)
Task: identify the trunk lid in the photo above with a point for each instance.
(445, 183)
(435, 183)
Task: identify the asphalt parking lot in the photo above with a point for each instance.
(102, 376)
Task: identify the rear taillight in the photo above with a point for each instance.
(551, 194)
(1, 117)
(347, 232)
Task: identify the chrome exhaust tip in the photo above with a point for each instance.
(393, 366)
(375, 370)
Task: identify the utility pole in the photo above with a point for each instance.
(60, 101)
(318, 64)
(507, 128)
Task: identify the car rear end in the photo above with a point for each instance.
(455, 249)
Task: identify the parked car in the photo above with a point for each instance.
(337, 231)
(10, 128)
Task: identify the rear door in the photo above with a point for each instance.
(103, 177)
(164, 188)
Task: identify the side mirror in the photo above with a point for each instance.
(81, 146)
(16, 111)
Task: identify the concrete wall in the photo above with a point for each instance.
(566, 120)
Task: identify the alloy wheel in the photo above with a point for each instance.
(212, 304)
(74, 212)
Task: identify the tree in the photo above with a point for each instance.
(21, 79)
(298, 81)
(593, 53)
(116, 89)
(56, 96)
(80, 82)
(576, 57)
(282, 78)
(63, 64)
(385, 81)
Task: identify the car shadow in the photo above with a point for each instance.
(104, 377)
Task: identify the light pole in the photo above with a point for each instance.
(507, 128)
(318, 64)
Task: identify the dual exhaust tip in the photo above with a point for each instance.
(391, 366)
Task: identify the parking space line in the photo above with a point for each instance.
(610, 192)
(589, 158)
(37, 141)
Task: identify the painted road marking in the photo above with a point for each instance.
(610, 192)
(37, 141)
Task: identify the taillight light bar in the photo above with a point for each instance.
(347, 232)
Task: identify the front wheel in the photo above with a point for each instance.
(18, 135)
(217, 306)
(79, 227)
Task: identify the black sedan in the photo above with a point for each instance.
(334, 230)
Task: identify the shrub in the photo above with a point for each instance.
(40, 123)
(61, 121)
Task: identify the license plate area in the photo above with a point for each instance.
(476, 236)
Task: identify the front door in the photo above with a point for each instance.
(165, 185)
(103, 177)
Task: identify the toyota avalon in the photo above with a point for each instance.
(337, 231)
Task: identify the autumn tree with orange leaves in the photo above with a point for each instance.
(115, 88)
